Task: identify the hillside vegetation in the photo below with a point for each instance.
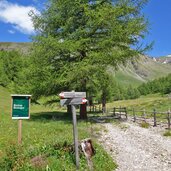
(149, 102)
(23, 47)
(47, 140)
(142, 70)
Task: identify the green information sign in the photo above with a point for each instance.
(20, 106)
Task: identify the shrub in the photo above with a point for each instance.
(167, 133)
(145, 125)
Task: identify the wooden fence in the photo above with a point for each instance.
(95, 108)
(121, 111)
(154, 117)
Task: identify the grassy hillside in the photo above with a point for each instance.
(164, 59)
(4, 101)
(157, 101)
(22, 47)
(142, 70)
(47, 140)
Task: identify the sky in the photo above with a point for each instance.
(16, 25)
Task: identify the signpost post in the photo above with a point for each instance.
(20, 109)
(75, 134)
(73, 99)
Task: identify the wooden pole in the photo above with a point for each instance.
(19, 131)
(134, 114)
(75, 134)
(168, 117)
(120, 111)
(154, 115)
(144, 115)
(114, 114)
(126, 114)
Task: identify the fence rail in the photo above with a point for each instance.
(155, 117)
(95, 108)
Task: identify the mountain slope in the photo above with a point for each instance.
(141, 70)
(164, 59)
(135, 72)
(22, 47)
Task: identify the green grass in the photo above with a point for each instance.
(127, 78)
(145, 125)
(167, 133)
(47, 136)
(149, 102)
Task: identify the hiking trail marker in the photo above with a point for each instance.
(20, 109)
(74, 98)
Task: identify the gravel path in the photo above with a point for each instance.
(135, 148)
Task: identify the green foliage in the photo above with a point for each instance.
(78, 39)
(54, 156)
(11, 65)
(132, 93)
(46, 140)
(149, 103)
(145, 125)
(15, 159)
(167, 133)
(161, 85)
(121, 93)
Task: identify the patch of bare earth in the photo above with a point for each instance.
(135, 148)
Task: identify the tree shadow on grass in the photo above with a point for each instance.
(51, 116)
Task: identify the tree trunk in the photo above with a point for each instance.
(104, 103)
(69, 111)
(83, 107)
(83, 111)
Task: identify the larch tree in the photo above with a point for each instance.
(77, 39)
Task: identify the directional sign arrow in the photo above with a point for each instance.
(68, 95)
(84, 101)
(74, 101)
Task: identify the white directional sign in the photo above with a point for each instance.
(70, 95)
(74, 101)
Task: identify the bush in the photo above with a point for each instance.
(167, 133)
(145, 125)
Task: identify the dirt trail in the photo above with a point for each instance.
(135, 148)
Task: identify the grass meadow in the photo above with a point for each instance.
(47, 140)
(149, 102)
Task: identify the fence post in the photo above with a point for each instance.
(114, 110)
(126, 114)
(144, 114)
(120, 111)
(168, 117)
(133, 110)
(154, 115)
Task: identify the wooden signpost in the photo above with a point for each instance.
(20, 109)
(73, 99)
